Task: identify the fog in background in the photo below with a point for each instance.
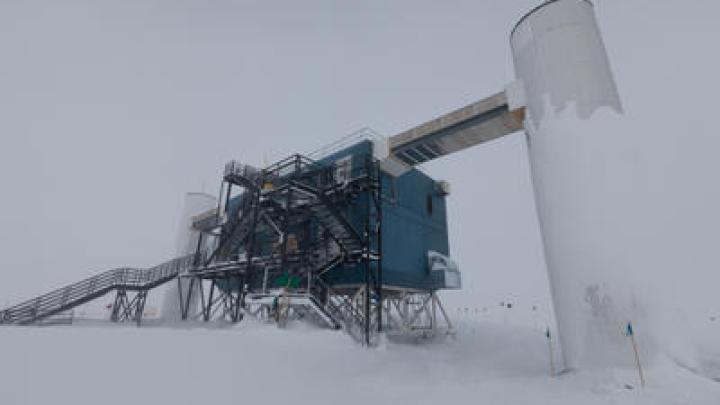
(111, 111)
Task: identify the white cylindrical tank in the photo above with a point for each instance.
(579, 164)
(560, 57)
(185, 243)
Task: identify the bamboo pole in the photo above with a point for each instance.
(550, 351)
(631, 334)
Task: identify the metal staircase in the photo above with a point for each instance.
(297, 304)
(315, 298)
(341, 231)
(328, 216)
(346, 311)
(335, 311)
(237, 233)
(71, 296)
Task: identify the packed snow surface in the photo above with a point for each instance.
(485, 363)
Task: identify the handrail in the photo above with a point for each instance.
(91, 287)
(365, 133)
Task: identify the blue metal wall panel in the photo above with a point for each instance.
(409, 229)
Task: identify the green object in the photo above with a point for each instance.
(629, 330)
(286, 280)
(282, 280)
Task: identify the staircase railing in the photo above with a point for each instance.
(343, 311)
(326, 210)
(90, 288)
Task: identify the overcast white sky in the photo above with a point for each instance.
(110, 111)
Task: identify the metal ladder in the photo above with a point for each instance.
(238, 232)
(71, 296)
(331, 219)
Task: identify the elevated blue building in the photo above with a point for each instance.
(340, 234)
(342, 239)
(402, 222)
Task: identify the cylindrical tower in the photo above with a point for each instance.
(186, 243)
(578, 168)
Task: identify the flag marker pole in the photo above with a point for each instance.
(629, 333)
(550, 350)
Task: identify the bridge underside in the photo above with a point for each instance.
(476, 123)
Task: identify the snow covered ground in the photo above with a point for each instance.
(487, 362)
